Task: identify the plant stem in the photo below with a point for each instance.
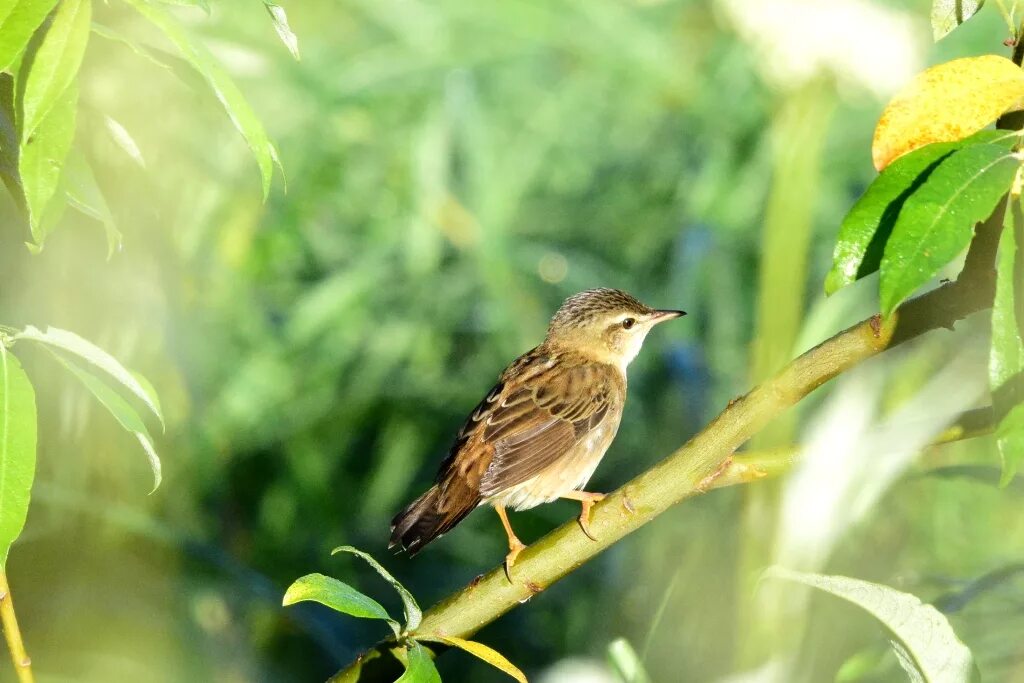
(22, 663)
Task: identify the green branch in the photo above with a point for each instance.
(20, 658)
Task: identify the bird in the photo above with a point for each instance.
(540, 433)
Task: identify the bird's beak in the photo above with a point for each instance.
(662, 316)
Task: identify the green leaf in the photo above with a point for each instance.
(120, 409)
(86, 350)
(924, 632)
(1010, 440)
(19, 19)
(42, 159)
(238, 109)
(17, 449)
(123, 139)
(481, 651)
(419, 668)
(84, 194)
(937, 221)
(52, 68)
(1006, 359)
(339, 596)
(626, 663)
(868, 225)
(284, 31)
(413, 614)
(948, 14)
(152, 55)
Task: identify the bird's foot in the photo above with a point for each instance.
(586, 502)
(515, 546)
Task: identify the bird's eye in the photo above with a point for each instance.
(628, 323)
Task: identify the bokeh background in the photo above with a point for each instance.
(454, 170)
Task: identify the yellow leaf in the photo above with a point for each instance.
(488, 654)
(945, 103)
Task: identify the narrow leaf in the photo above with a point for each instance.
(339, 596)
(481, 651)
(237, 107)
(1010, 440)
(53, 67)
(17, 449)
(413, 614)
(19, 19)
(86, 350)
(948, 14)
(284, 31)
(41, 160)
(945, 103)
(867, 226)
(85, 195)
(626, 663)
(123, 139)
(937, 221)
(924, 632)
(1006, 359)
(120, 409)
(419, 668)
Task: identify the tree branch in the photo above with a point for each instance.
(705, 461)
(22, 663)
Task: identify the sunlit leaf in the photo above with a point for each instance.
(413, 614)
(152, 55)
(925, 633)
(17, 449)
(53, 66)
(626, 663)
(866, 228)
(123, 139)
(1006, 359)
(41, 161)
(84, 194)
(419, 667)
(1010, 439)
(337, 595)
(945, 103)
(948, 14)
(937, 221)
(284, 31)
(19, 19)
(120, 409)
(237, 107)
(86, 350)
(488, 654)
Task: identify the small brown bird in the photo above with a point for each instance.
(544, 427)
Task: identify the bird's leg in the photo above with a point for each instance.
(515, 546)
(587, 500)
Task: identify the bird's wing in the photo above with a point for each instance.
(538, 415)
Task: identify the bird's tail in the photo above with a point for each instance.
(429, 516)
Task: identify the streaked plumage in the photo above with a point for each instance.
(540, 433)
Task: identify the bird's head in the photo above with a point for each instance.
(607, 325)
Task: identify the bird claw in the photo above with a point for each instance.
(515, 546)
(584, 518)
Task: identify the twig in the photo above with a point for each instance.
(22, 663)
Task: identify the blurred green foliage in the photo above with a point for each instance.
(454, 169)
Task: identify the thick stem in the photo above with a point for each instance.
(22, 663)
